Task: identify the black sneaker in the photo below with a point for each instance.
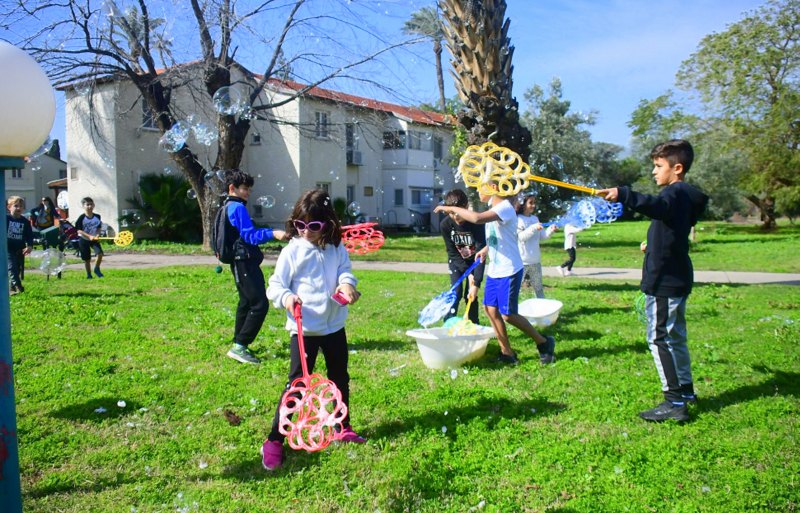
(666, 411)
(508, 359)
(689, 398)
(548, 353)
(241, 354)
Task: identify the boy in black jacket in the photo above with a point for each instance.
(462, 240)
(19, 237)
(667, 274)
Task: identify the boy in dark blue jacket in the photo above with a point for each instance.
(20, 241)
(246, 266)
(667, 273)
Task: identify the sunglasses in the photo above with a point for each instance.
(313, 226)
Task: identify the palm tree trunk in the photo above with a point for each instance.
(437, 50)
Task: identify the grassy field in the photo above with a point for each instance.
(719, 247)
(122, 384)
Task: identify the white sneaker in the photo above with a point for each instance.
(567, 272)
(560, 270)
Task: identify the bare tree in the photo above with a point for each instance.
(84, 41)
(476, 32)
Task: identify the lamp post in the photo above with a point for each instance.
(27, 110)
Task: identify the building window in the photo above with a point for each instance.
(325, 186)
(321, 124)
(351, 193)
(73, 173)
(16, 173)
(394, 140)
(62, 173)
(398, 197)
(256, 139)
(148, 120)
(351, 140)
(368, 191)
(421, 197)
(438, 147)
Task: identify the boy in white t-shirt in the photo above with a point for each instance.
(503, 275)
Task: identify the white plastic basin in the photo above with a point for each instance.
(540, 312)
(441, 351)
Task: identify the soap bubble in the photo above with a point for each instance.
(41, 150)
(191, 194)
(175, 138)
(558, 163)
(53, 262)
(204, 134)
(266, 201)
(228, 101)
(353, 209)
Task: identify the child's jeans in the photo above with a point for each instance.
(666, 336)
(15, 261)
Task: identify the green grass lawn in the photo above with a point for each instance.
(719, 247)
(149, 348)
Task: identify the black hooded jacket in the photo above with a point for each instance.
(667, 269)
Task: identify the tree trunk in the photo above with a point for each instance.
(437, 50)
(766, 208)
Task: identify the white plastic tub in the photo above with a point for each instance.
(540, 312)
(441, 351)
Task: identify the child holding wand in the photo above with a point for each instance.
(310, 269)
(504, 274)
(667, 274)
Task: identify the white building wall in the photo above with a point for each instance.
(91, 151)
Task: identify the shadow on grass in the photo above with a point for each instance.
(92, 410)
(98, 485)
(600, 352)
(779, 383)
(493, 409)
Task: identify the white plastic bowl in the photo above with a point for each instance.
(540, 312)
(441, 351)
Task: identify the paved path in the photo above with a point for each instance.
(147, 261)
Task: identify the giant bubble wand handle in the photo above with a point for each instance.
(314, 401)
(565, 185)
(301, 345)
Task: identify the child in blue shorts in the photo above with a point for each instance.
(504, 275)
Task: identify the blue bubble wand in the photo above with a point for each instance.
(441, 304)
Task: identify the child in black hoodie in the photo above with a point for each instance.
(667, 274)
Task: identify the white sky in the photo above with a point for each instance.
(609, 54)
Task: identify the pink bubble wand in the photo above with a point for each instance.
(316, 401)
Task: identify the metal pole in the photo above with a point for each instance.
(10, 490)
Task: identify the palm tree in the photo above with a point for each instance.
(476, 33)
(426, 23)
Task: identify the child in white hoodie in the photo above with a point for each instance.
(310, 269)
(529, 232)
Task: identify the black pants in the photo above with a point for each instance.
(570, 260)
(253, 304)
(461, 292)
(334, 349)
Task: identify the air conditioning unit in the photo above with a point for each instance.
(354, 158)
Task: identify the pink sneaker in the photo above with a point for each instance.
(348, 435)
(272, 455)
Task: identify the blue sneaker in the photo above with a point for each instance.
(547, 352)
(97, 272)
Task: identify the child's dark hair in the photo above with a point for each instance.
(316, 205)
(86, 200)
(237, 178)
(456, 198)
(523, 198)
(675, 151)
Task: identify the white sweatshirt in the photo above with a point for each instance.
(570, 241)
(529, 238)
(312, 273)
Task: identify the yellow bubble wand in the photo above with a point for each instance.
(496, 170)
